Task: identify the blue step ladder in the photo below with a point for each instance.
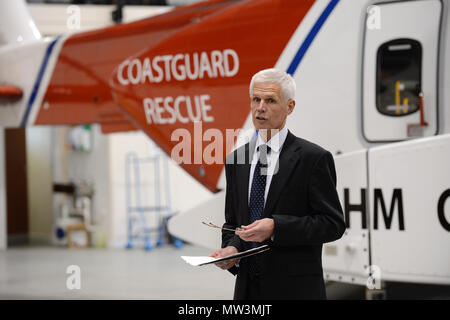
(138, 215)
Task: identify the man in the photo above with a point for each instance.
(283, 194)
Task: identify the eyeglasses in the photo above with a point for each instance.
(212, 225)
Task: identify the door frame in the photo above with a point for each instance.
(362, 60)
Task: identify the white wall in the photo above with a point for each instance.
(185, 192)
(3, 231)
(54, 19)
(39, 183)
(104, 166)
(72, 166)
(92, 167)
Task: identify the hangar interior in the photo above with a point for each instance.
(69, 194)
(74, 195)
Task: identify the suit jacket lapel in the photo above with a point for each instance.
(287, 161)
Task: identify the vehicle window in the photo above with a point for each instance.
(399, 65)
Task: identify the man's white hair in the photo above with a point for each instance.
(285, 80)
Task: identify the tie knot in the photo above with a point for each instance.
(264, 150)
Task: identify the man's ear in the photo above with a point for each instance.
(291, 106)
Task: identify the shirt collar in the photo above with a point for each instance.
(276, 142)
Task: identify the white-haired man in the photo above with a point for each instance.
(284, 195)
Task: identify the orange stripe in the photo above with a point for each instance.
(10, 92)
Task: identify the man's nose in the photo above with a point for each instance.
(261, 106)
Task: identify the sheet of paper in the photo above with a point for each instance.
(196, 261)
(203, 260)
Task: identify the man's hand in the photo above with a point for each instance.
(225, 265)
(258, 231)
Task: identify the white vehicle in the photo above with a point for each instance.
(373, 87)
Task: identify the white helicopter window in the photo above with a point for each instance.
(399, 65)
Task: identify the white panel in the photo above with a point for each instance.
(420, 169)
(16, 24)
(19, 66)
(347, 258)
(188, 224)
(326, 101)
(418, 20)
(444, 80)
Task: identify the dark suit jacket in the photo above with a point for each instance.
(305, 207)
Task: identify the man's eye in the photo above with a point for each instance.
(271, 100)
(256, 99)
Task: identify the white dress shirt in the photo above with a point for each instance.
(275, 143)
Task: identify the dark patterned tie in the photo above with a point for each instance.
(256, 205)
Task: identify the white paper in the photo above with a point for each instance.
(202, 260)
(196, 261)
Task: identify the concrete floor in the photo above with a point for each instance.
(40, 273)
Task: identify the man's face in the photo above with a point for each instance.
(269, 108)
